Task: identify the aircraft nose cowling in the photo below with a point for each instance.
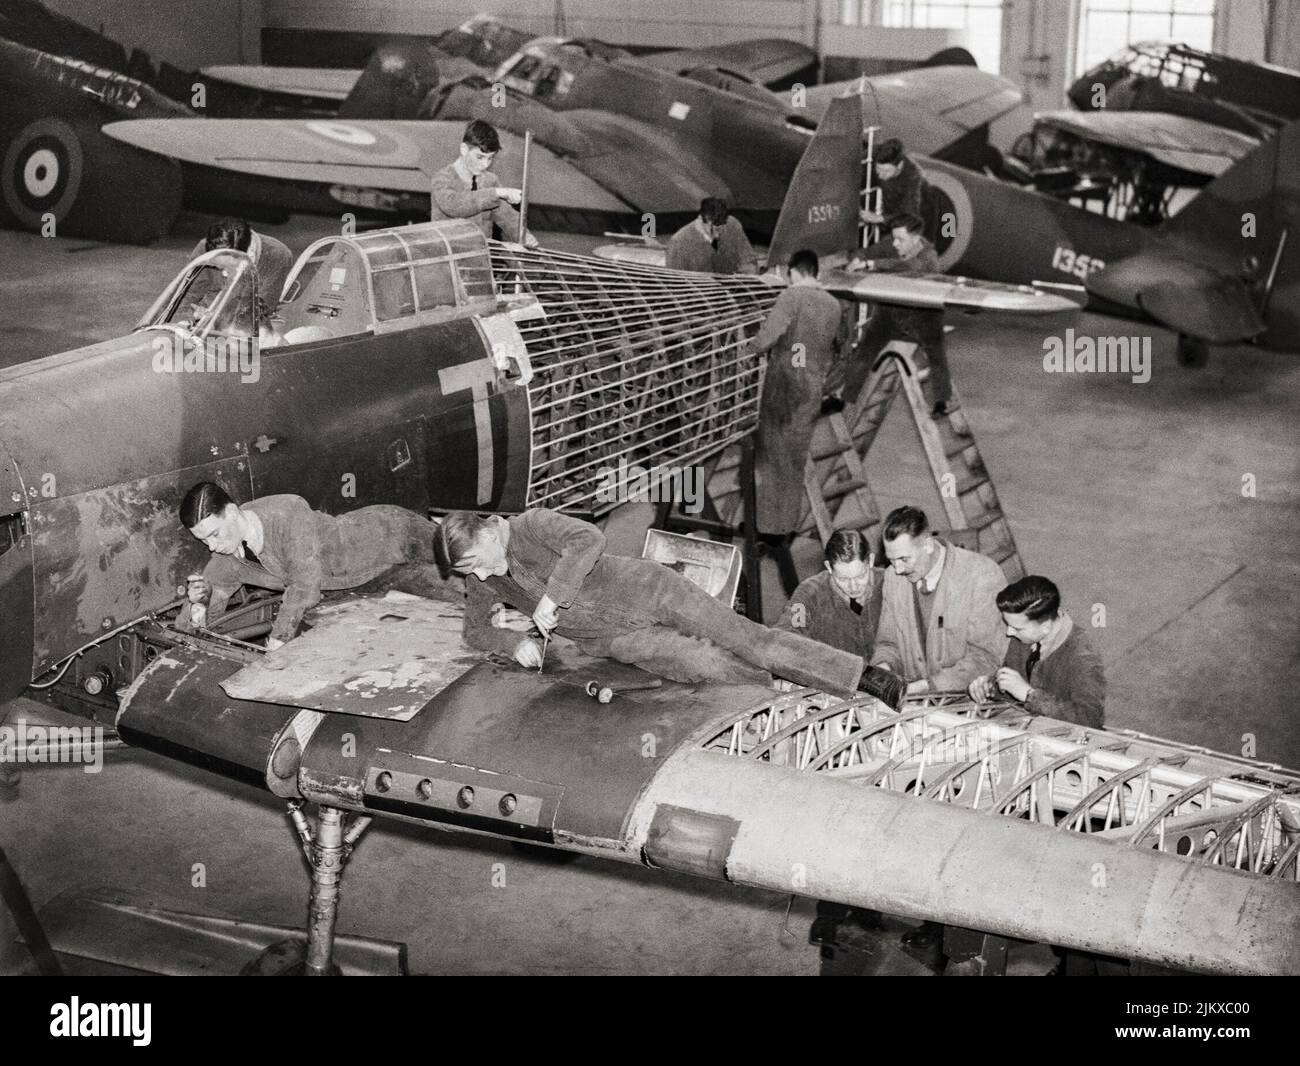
(1192, 299)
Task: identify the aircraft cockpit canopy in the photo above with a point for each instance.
(341, 286)
(386, 280)
(214, 294)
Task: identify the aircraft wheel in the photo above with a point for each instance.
(42, 172)
(1193, 352)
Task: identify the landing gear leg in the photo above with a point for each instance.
(327, 851)
(1192, 352)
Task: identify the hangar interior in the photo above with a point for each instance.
(1163, 504)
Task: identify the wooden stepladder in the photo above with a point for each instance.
(835, 480)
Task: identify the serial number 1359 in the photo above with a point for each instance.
(823, 213)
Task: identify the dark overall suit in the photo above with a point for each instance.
(801, 333)
(306, 551)
(640, 612)
(917, 324)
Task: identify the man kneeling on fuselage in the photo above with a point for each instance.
(633, 610)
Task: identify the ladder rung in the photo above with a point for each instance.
(842, 488)
(830, 452)
(968, 485)
(985, 520)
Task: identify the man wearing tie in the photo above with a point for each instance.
(466, 188)
(1050, 666)
(840, 604)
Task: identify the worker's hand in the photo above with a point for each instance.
(197, 588)
(883, 666)
(528, 654)
(547, 616)
(982, 689)
(918, 687)
(872, 218)
(509, 195)
(1012, 683)
(530, 241)
(272, 643)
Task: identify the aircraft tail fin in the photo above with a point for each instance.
(1251, 211)
(394, 84)
(821, 205)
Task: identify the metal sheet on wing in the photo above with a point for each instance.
(392, 155)
(381, 657)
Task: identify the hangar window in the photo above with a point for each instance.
(1107, 26)
(980, 19)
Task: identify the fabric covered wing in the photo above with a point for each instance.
(393, 156)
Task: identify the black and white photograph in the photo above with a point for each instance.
(613, 488)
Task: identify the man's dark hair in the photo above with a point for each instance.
(1035, 597)
(482, 135)
(204, 500)
(228, 233)
(805, 260)
(905, 520)
(713, 209)
(909, 222)
(890, 151)
(847, 546)
(455, 539)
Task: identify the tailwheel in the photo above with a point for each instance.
(1192, 352)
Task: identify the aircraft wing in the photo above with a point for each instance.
(932, 291)
(390, 155)
(931, 106)
(1193, 299)
(941, 290)
(768, 59)
(643, 165)
(1175, 140)
(321, 82)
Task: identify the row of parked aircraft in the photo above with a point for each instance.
(618, 137)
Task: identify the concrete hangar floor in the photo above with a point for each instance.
(1128, 495)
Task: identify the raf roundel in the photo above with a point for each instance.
(42, 172)
(343, 133)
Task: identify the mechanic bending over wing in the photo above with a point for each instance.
(279, 542)
(1050, 666)
(633, 610)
